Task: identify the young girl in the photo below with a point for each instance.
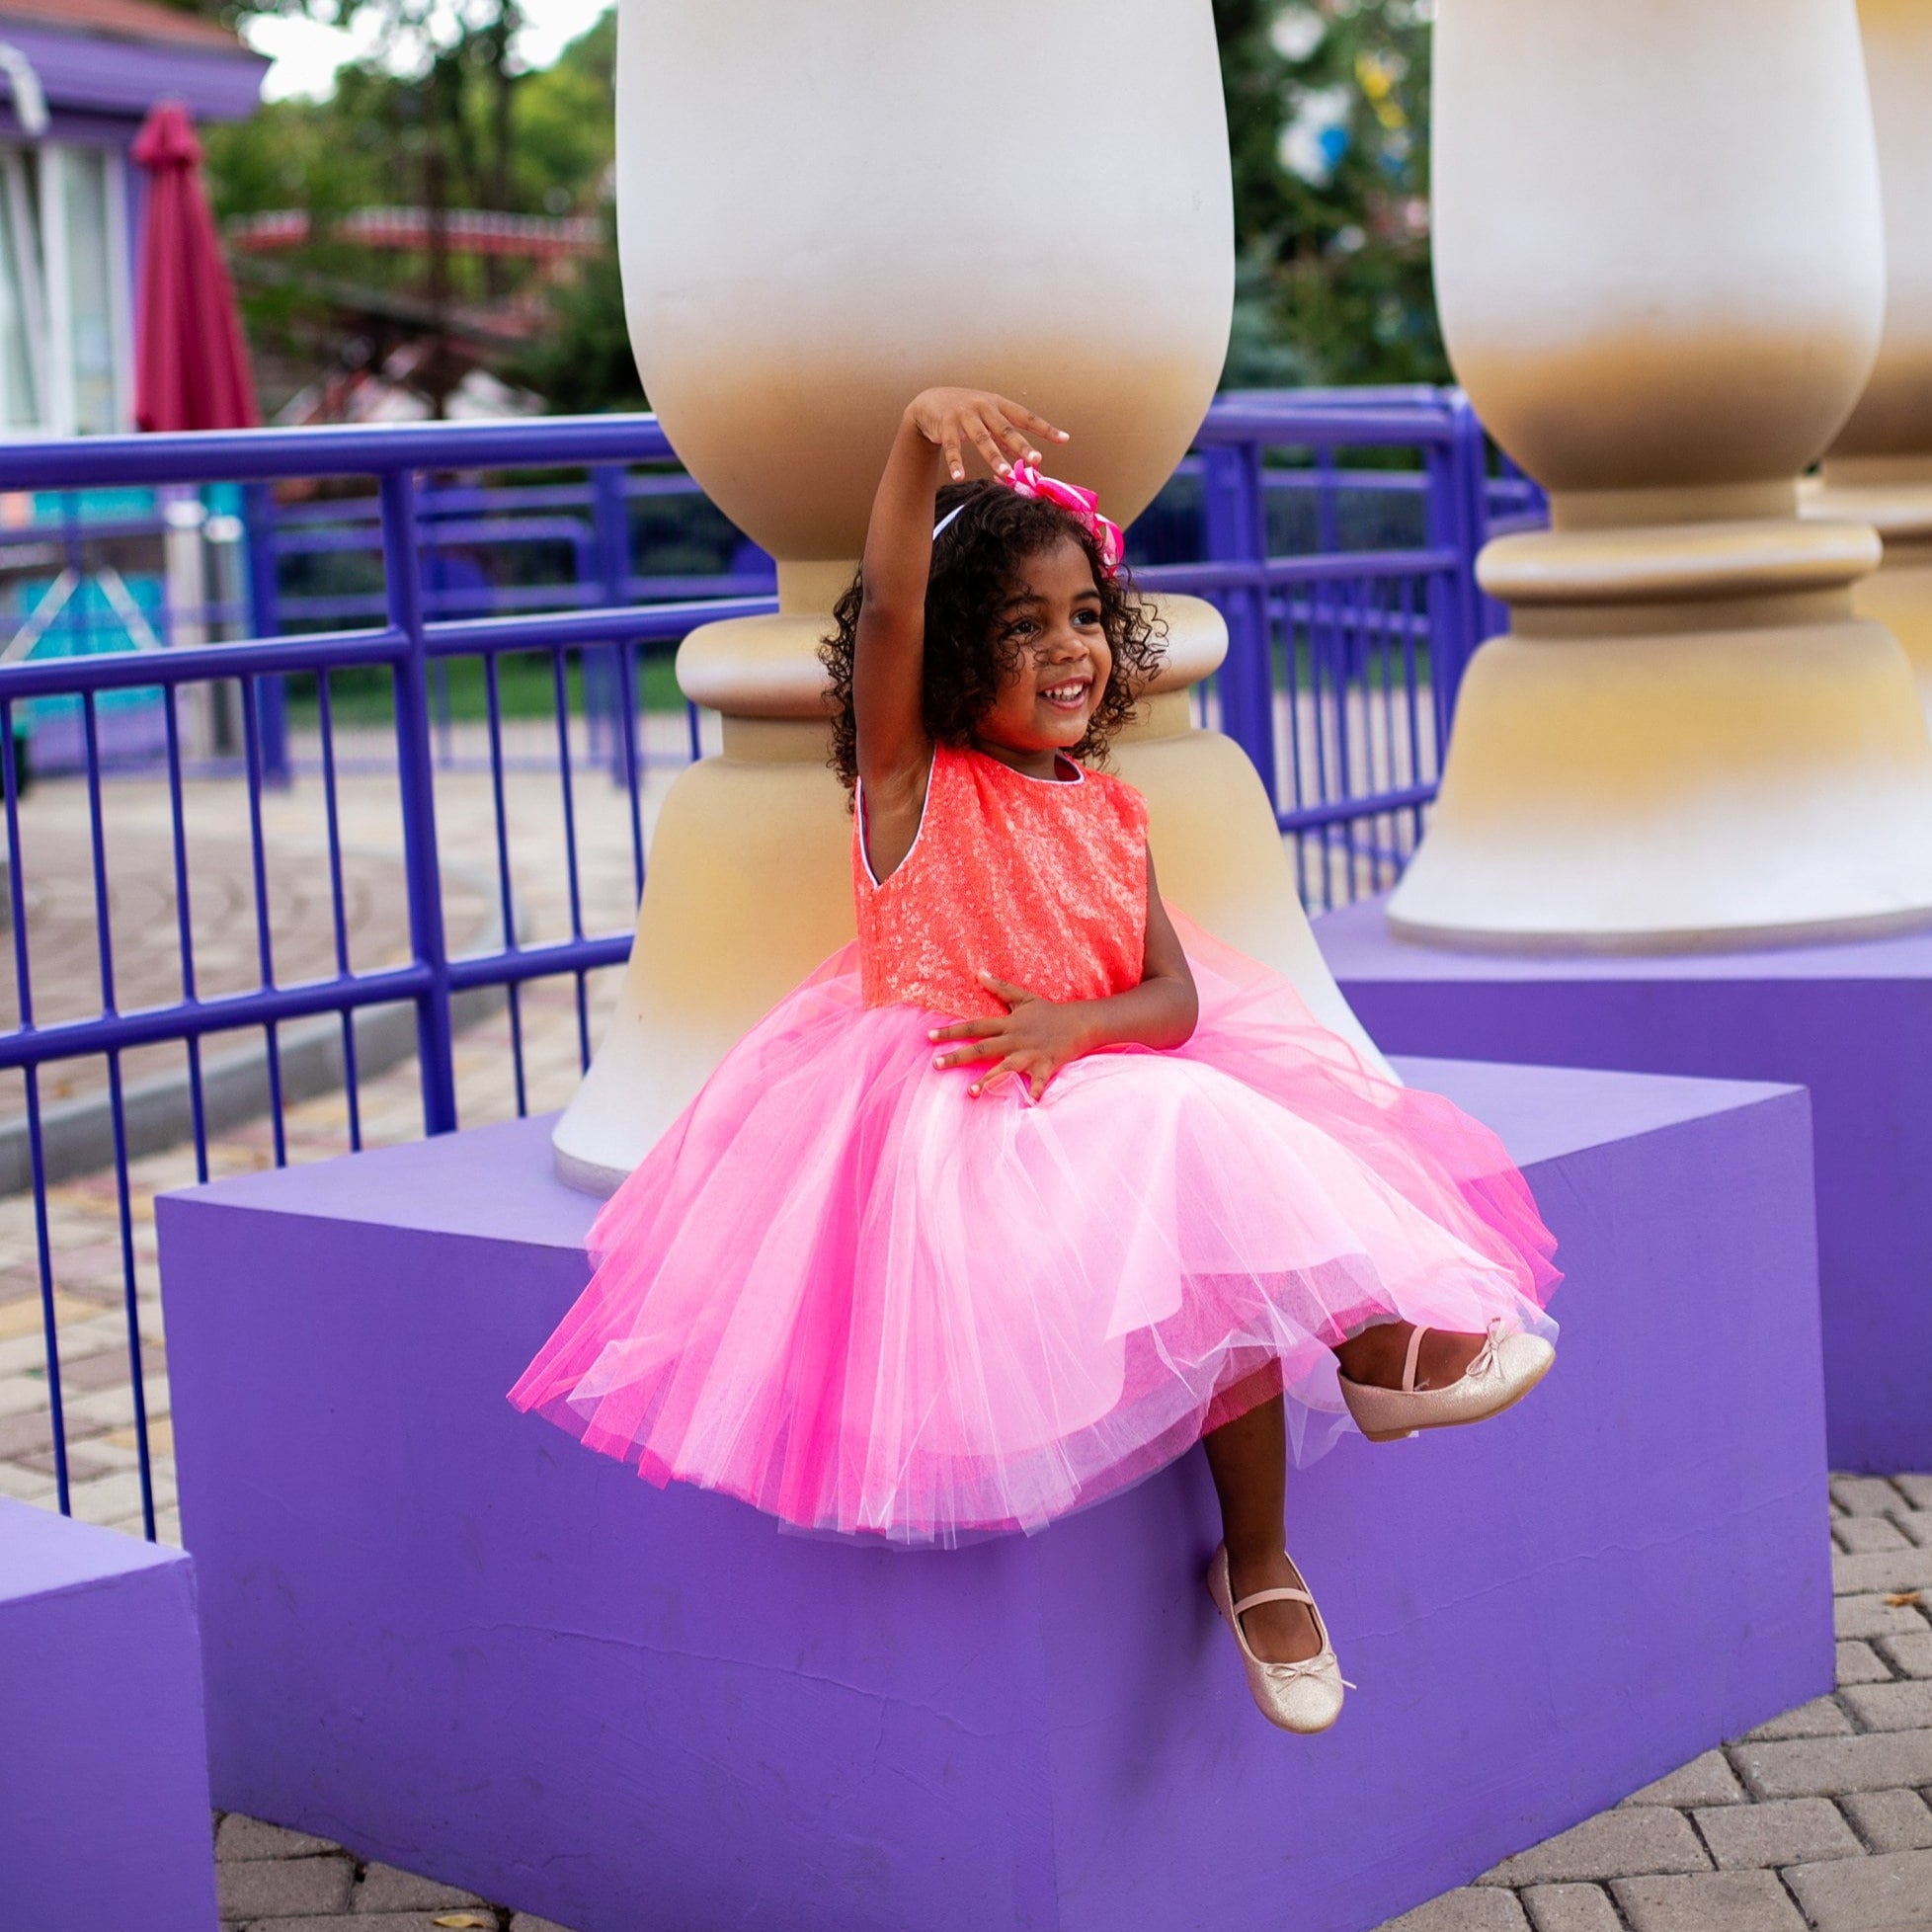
(1036, 1184)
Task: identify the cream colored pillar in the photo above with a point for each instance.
(1880, 469)
(1660, 271)
(822, 208)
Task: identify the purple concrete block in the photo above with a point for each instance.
(1851, 1022)
(448, 1635)
(104, 1768)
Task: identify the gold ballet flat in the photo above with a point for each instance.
(1505, 1369)
(1302, 1697)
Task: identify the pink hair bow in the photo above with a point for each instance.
(1026, 481)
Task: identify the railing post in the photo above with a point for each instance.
(265, 620)
(1454, 522)
(1237, 533)
(415, 772)
(612, 521)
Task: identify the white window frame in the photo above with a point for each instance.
(58, 396)
(24, 222)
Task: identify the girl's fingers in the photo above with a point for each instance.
(988, 444)
(966, 1029)
(949, 449)
(1017, 441)
(1036, 423)
(1014, 996)
(1012, 1064)
(964, 1056)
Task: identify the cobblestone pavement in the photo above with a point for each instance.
(1817, 1819)
(289, 1882)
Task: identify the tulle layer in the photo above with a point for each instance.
(851, 1295)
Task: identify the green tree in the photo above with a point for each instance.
(581, 363)
(1327, 129)
(1327, 121)
(441, 120)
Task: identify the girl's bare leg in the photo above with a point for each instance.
(1375, 1356)
(1248, 1459)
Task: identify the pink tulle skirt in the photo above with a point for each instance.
(844, 1291)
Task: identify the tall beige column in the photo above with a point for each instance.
(1880, 468)
(1660, 276)
(822, 208)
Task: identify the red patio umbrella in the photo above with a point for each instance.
(192, 364)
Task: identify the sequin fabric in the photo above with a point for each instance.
(1040, 882)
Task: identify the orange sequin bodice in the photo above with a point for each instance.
(1041, 882)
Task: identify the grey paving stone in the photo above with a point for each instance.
(524, 1922)
(1866, 1495)
(284, 1888)
(1916, 1489)
(1859, 1664)
(1891, 1707)
(1822, 1718)
(1706, 1779)
(1889, 1820)
(1890, 1893)
(239, 1837)
(1571, 1908)
(1622, 1843)
(384, 1889)
(1917, 1526)
(378, 1922)
(1860, 1535)
(1474, 1908)
(1886, 1569)
(1910, 1652)
(1757, 1837)
(1716, 1902)
(1872, 1615)
(1822, 1767)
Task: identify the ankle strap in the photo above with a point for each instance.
(1247, 1603)
(1408, 1366)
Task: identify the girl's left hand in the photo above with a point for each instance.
(1033, 1039)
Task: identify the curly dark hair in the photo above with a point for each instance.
(966, 662)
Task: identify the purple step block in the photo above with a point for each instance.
(448, 1635)
(104, 1767)
(1851, 1022)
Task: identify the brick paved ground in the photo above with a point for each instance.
(1818, 1819)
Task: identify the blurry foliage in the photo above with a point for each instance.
(448, 119)
(581, 364)
(1327, 126)
(1327, 118)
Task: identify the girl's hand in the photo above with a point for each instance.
(1033, 1039)
(998, 429)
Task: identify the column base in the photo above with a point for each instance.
(1852, 1022)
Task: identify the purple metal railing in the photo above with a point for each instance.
(1346, 583)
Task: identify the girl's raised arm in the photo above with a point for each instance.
(936, 434)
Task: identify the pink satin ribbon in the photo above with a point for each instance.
(1026, 481)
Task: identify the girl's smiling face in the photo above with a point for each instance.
(1051, 625)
